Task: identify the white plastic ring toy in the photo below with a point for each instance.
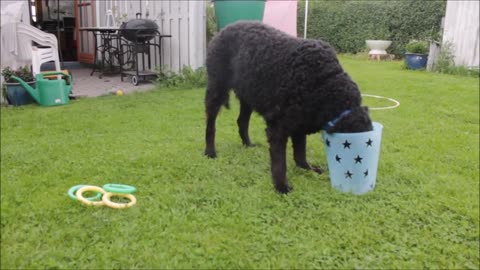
(106, 199)
(397, 103)
(84, 200)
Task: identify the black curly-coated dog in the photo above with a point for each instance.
(297, 85)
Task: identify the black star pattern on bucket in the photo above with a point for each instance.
(327, 142)
(369, 142)
(358, 159)
(346, 144)
(337, 158)
(365, 173)
(348, 174)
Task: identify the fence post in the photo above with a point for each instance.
(433, 55)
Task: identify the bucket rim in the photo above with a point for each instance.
(377, 127)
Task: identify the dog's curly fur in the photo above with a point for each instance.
(297, 85)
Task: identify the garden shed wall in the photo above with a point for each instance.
(461, 28)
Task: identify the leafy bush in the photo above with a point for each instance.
(194, 78)
(23, 73)
(186, 78)
(445, 58)
(167, 78)
(445, 63)
(415, 46)
(211, 22)
(347, 24)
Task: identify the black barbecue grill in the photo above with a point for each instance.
(139, 30)
(140, 44)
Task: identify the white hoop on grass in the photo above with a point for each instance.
(397, 103)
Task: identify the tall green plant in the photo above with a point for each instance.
(446, 64)
(186, 78)
(211, 22)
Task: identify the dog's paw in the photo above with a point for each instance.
(309, 167)
(210, 153)
(283, 189)
(316, 169)
(251, 144)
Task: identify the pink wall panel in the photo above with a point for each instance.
(281, 15)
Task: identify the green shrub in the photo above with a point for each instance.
(419, 47)
(211, 22)
(347, 24)
(167, 78)
(186, 78)
(446, 64)
(23, 73)
(194, 78)
(445, 58)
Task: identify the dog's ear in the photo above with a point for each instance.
(365, 108)
(330, 130)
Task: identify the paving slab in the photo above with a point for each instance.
(85, 85)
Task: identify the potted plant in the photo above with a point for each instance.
(416, 55)
(15, 93)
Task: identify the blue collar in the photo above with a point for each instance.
(332, 123)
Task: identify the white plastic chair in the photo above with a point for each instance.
(37, 35)
(17, 40)
(29, 33)
(12, 54)
(44, 55)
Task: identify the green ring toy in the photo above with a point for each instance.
(74, 189)
(119, 188)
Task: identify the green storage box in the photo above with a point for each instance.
(230, 11)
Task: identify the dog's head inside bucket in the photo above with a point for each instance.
(353, 159)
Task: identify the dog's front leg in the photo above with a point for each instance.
(278, 145)
(299, 142)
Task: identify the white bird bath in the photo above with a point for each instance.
(378, 47)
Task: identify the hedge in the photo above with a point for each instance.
(347, 24)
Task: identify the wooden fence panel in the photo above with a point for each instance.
(462, 29)
(184, 20)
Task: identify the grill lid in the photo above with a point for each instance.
(139, 30)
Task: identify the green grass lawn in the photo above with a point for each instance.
(193, 212)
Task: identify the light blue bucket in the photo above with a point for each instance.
(353, 159)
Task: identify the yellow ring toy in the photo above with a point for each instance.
(85, 200)
(108, 195)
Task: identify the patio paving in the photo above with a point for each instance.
(85, 85)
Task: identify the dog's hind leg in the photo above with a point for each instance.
(216, 96)
(299, 142)
(243, 122)
(278, 145)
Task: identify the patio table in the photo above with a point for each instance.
(105, 43)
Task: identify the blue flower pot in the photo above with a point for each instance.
(17, 95)
(416, 61)
(353, 159)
